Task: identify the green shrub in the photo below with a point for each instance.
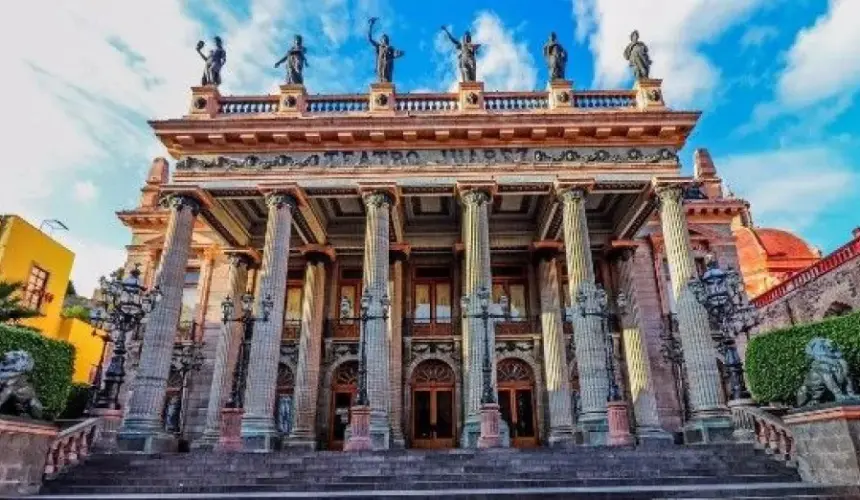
(78, 312)
(54, 360)
(776, 361)
(79, 395)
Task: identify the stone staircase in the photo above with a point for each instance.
(712, 471)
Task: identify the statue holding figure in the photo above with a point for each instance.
(636, 54)
(296, 62)
(556, 58)
(385, 54)
(16, 390)
(466, 55)
(215, 60)
(828, 373)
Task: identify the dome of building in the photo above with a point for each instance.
(768, 256)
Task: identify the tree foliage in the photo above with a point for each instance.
(12, 309)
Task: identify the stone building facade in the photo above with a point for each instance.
(537, 197)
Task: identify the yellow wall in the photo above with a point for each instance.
(88, 348)
(23, 245)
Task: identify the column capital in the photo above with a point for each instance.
(283, 193)
(546, 249)
(625, 249)
(318, 253)
(179, 202)
(239, 259)
(379, 193)
(377, 199)
(280, 200)
(476, 193)
(671, 189)
(572, 191)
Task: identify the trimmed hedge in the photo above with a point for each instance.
(776, 361)
(54, 360)
(76, 405)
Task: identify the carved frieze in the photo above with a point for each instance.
(290, 353)
(432, 157)
(444, 349)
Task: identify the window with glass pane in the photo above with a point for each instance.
(189, 296)
(347, 303)
(422, 303)
(498, 292)
(443, 302)
(34, 292)
(517, 301)
(294, 303)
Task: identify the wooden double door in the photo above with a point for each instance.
(433, 422)
(517, 402)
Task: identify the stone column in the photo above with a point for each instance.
(476, 246)
(710, 420)
(310, 349)
(142, 429)
(376, 245)
(258, 422)
(588, 336)
(640, 381)
(554, 352)
(222, 370)
(395, 344)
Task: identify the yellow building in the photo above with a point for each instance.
(43, 265)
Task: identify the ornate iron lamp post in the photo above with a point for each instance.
(595, 303)
(359, 437)
(124, 303)
(247, 319)
(672, 352)
(490, 415)
(187, 357)
(97, 379)
(730, 313)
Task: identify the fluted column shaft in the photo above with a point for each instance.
(699, 355)
(143, 418)
(310, 346)
(231, 334)
(554, 352)
(395, 345)
(476, 243)
(376, 246)
(258, 422)
(588, 336)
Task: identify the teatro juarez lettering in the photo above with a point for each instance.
(433, 157)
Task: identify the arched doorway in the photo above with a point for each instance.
(517, 401)
(344, 385)
(433, 405)
(284, 402)
(837, 309)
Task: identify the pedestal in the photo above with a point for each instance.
(204, 101)
(619, 424)
(382, 98)
(359, 438)
(706, 430)
(741, 434)
(292, 100)
(649, 94)
(25, 444)
(471, 96)
(560, 94)
(490, 417)
(827, 443)
(154, 441)
(592, 432)
(231, 430)
(109, 423)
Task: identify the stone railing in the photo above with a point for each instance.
(838, 257)
(515, 101)
(247, 105)
(337, 104)
(603, 99)
(426, 103)
(769, 432)
(71, 446)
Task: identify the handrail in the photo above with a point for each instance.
(71, 446)
(769, 431)
(841, 255)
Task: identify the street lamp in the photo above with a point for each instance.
(597, 305)
(123, 304)
(365, 316)
(97, 379)
(247, 319)
(730, 313)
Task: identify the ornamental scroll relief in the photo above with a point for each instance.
(433, 157)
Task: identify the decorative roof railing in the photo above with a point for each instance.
(841, 255)
(431, 103)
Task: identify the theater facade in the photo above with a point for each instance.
(414, 201)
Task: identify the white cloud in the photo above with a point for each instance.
(674, 32)
(790, 187)
(92, 260)
(85, 191)
(756, 36)
(503, 62)
(822, 63)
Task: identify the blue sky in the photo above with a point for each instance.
(777, 81)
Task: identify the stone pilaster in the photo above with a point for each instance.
(588, 336)
(555, 364)
(222, 369)
(640, 382)
(710, 418)
(258, 422)
(395, 344)
(376, 245)
(142, 429)
(310, 348)
(476, 246)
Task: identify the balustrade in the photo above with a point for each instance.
(517, 326)
(771, 434)
(597, 99)
(426, 103)
(516, 101)
(71, 446)
(247, 105)
(338, 104)
(413, 327)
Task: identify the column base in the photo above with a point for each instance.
(561, 437)
(592, 432)
(490, 418)
(619, 424)
(207, 441)
(231, 430)
(654, 437)
(143, 442)
(110, 421)
(380, 430)
(742, 434)
(705, 430)
(471, 432)
(301, 440)
(259, 434)
(359, 436)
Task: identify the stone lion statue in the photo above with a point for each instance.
(828, 373)
(16, 391)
